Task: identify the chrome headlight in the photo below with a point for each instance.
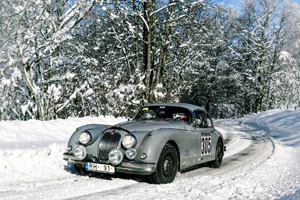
(85, 138)
(80, 152)
(129, 141)
(115, 156)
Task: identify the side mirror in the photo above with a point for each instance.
(197, 123)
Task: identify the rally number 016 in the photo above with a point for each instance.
(206, 145)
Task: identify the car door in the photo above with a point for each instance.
(214, 136)
(205, 135)
(187, 141)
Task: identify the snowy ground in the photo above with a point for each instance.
(262, 162)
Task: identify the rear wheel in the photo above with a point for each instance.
(167, 166)
(218, 156)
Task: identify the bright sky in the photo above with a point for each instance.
(296, 1)
(236, 2)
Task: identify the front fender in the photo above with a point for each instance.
(94, 129)
(153, 143)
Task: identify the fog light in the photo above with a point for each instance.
(143, 156)
(80, 152)
(131, 154)
(115, 156)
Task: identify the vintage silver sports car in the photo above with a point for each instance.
(161, 140)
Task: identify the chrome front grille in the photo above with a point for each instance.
(109, 141)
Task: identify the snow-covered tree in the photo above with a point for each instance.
(32, 66)
(262, 37)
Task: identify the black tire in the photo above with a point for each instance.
(218, 156)
(167, 166)
(80, 170)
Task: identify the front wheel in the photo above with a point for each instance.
(218, 156)
(167, 166)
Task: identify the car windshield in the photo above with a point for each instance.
(164, 112)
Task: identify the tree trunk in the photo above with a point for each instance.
(136, 44)
(148, 34)
(163, 48)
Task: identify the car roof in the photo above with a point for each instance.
(182, 105)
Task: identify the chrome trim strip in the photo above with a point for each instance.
(124, 167)
(67, 156)
(136, 168)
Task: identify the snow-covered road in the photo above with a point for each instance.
(261, 162)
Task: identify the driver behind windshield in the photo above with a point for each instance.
(163, 112)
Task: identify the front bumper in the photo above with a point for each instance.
(128, 167)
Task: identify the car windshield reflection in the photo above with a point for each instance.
(164, 112)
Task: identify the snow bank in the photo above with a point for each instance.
(32, 150)
(35, 133)
(282, 125)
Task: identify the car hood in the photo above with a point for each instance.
(150, 125)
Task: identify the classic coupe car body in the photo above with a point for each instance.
(161, 140)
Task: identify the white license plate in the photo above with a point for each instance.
(96, 167)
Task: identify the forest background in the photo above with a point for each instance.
(67, 58)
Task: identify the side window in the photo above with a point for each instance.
(209, 122)
(204, 120)
(201, 120)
